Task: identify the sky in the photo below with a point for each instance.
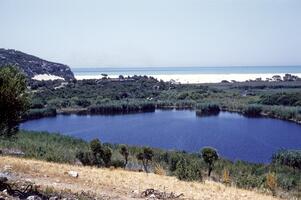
(154, 33)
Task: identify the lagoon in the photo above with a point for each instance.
(234, 136)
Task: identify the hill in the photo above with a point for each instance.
(33, 66)
(106, 183)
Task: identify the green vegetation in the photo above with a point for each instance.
(189, 167)
(207, 109)
(209, 155)
(145, 157)
(13, 99)
(98, 154)
(125, 153)
(284, 99)
(145, 94)
(252, 110)
(290, 158)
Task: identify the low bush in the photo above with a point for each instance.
(291, 158)
(37, 113)
(207, 109)
(252, 110)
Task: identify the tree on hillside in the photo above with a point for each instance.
(13, 100)
(209, 155)
(96, 147)
(101, 154)
(125, 153)
(145, 157)
(107, 154)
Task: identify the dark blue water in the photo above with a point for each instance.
(80, 71)
(234, 136)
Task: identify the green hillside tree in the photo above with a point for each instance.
(13, 99)
(209, 155)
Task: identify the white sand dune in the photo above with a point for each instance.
(197, 78)
(46, 77)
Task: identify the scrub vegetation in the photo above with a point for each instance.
(145, 94)
(281, 177)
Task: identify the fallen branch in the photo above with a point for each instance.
(22, 194)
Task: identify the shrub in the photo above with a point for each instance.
(271, 182)
(207, 109)
(188, 170)
(39, 113)
(226, 176)
(158, 169)
(85, 157)
(117, 163)
(291, 158)
(252, 110)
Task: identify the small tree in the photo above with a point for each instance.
(106, 156)
(13, 100)
(209, 155)
(96, 147)
(125, 153)
(101, 154)
(145, 157)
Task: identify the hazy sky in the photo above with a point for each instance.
(155, 32)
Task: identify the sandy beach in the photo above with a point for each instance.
(197, 78)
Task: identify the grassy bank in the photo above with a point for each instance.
(189, 167)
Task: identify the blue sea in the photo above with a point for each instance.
(86, 71)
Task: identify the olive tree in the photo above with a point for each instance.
(13, 100)
(145, 157)
(209, 155)
(101, 154)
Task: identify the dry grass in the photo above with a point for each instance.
(118, 183)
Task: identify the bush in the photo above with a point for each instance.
(291, 158)
(37, 103)
(158, 169)
(252, 110)
(188, 171)
(271, 182)
(39, 113)
(285, 99)
(207, 109)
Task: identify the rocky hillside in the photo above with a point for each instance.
(33, 66)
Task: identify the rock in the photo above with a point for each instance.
(3, 179)
(152, 196)
(135, 192)
(7, 168)
(53, 198)
(73, 174)
(34, 197)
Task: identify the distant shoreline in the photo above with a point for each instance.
(197, 78)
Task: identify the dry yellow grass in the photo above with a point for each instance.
(118, 183)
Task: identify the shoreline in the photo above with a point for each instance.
(196, 78)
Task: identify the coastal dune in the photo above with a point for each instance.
(196, 78)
